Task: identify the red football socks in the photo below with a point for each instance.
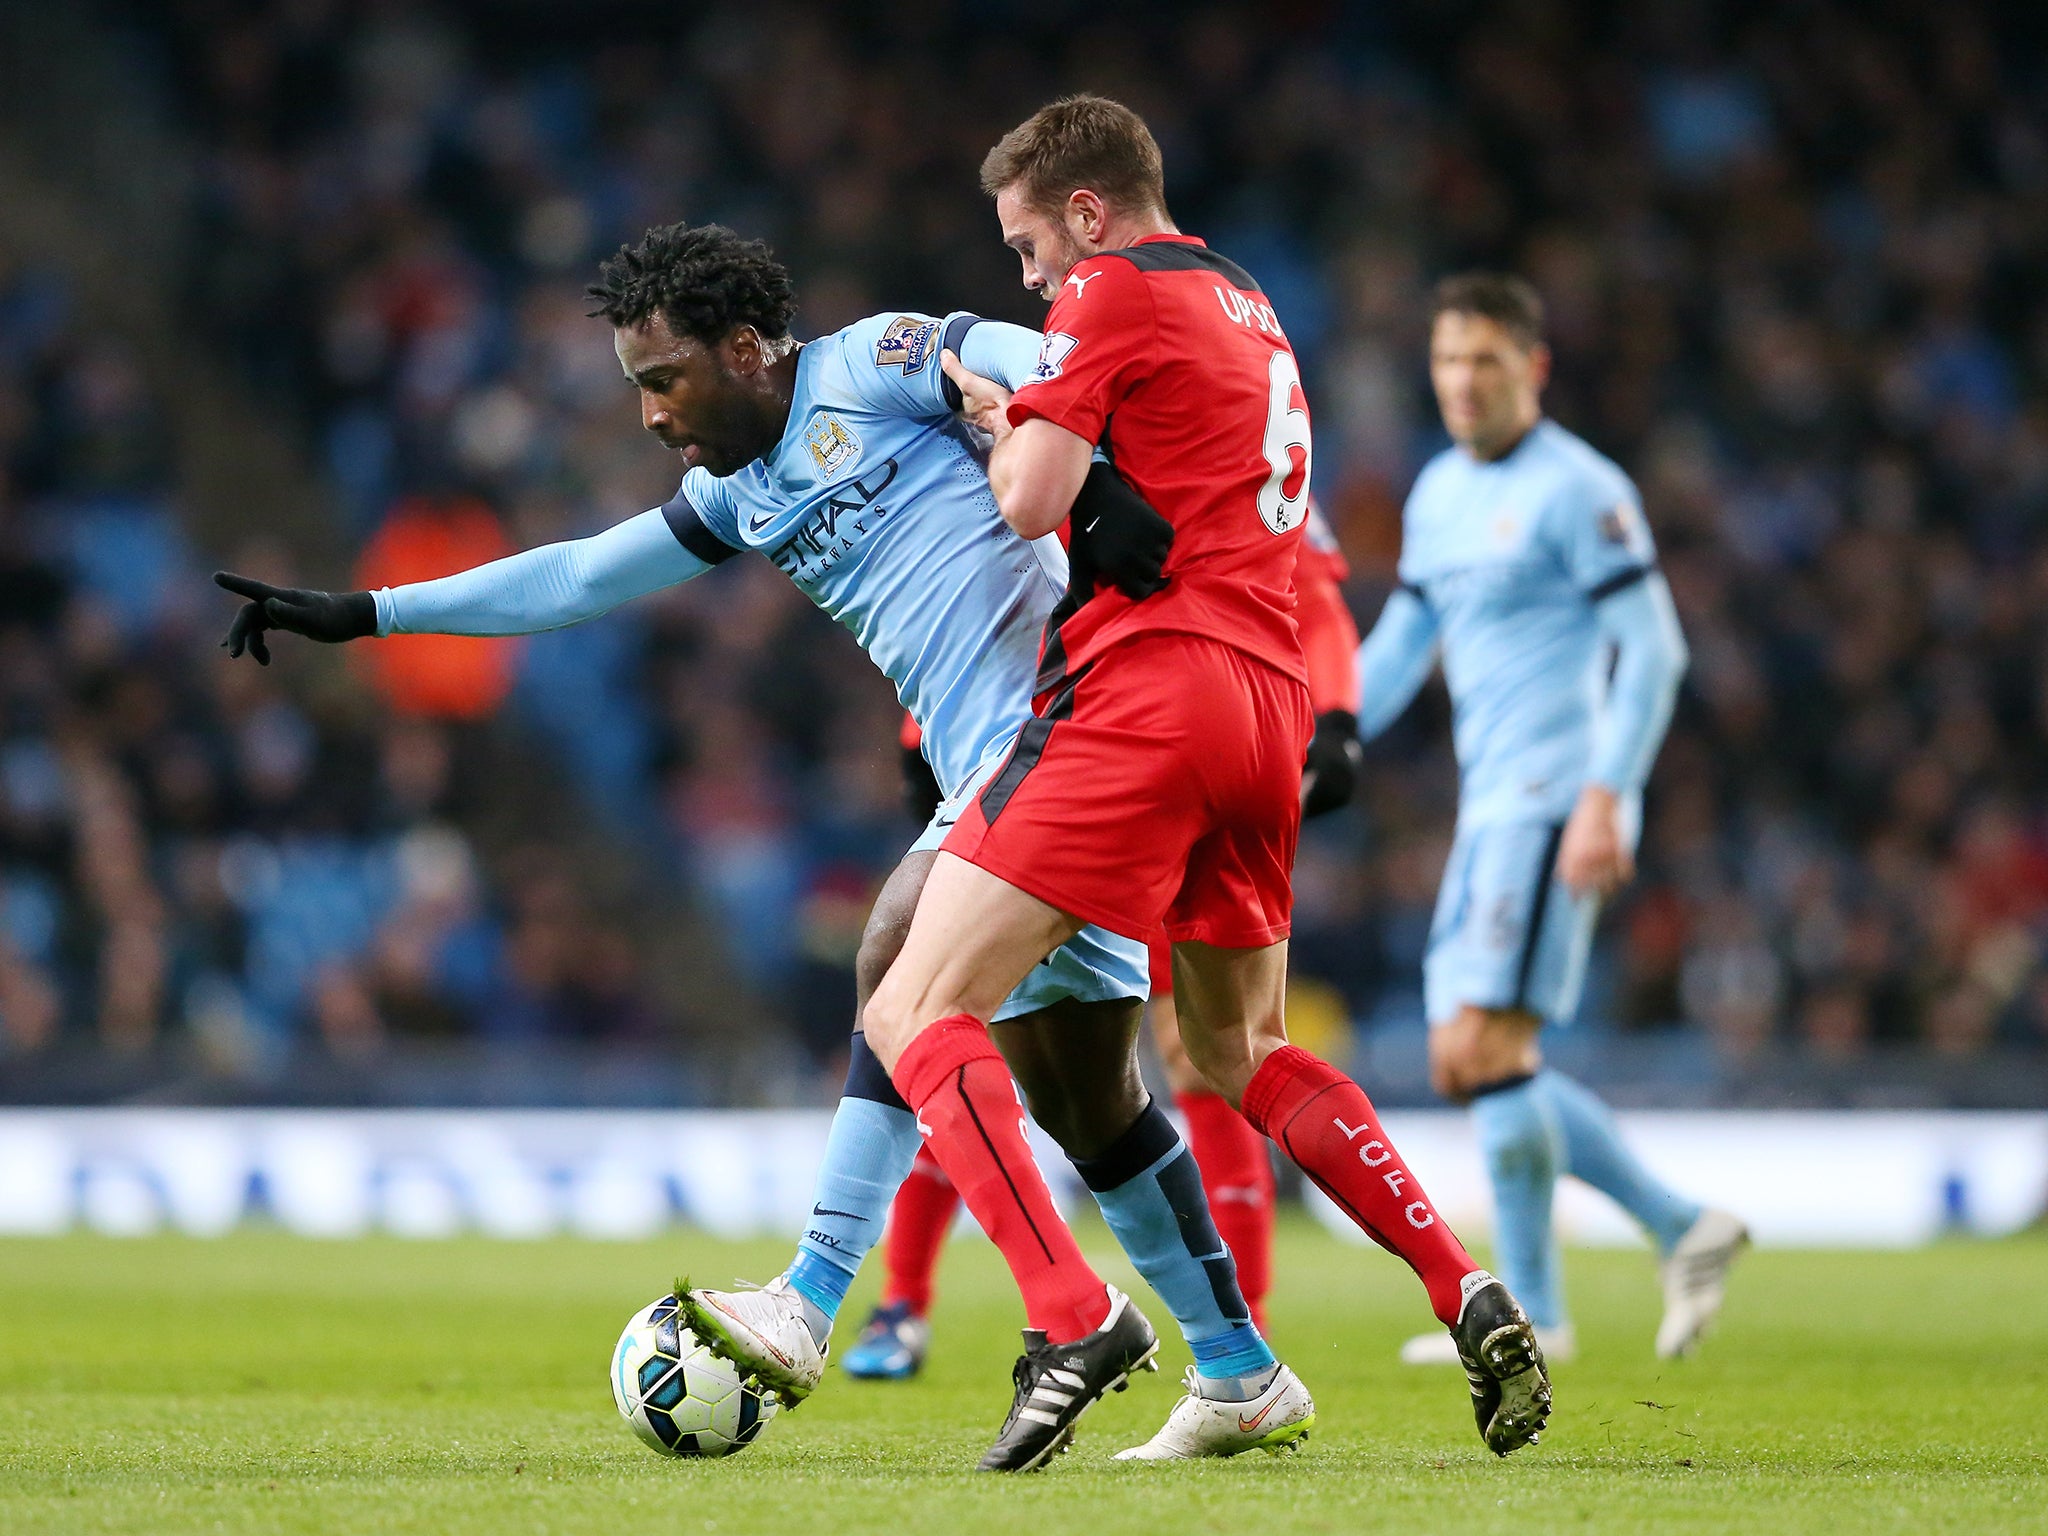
(918, 1223)
(1325, 1123)
(954, 1078)
(1237, 1176)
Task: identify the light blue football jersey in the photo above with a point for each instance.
(1512, 558)
(876, 503)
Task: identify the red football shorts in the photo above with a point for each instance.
(1161, 786)
(1159, 952)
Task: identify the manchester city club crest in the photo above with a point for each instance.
(832, 443)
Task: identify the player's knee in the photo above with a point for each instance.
(879, 947)
(1480, 1046)
(880, 943)
(885, 1019)
(1224, 1065)
(1448, 1079)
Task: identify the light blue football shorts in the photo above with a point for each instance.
(1094, 966)
(1507, 932)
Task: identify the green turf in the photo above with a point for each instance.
(266, 1384)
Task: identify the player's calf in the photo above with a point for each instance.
(1324, 1121)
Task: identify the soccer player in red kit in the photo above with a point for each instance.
(1158, 782)
(1234, 1159)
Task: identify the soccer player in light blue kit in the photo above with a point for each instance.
(843, 462)
(1527, 568)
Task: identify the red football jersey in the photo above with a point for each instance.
(1168, 356)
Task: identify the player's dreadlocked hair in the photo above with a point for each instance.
(705, 281)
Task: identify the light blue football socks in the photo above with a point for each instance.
(1531, 1129)
(1150, 1192)
(1523, 1146)
(1595, 1152)
(1146, 1183)
(868, 1155)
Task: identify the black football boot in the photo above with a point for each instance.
(1057, 1383)
(1503, 1363)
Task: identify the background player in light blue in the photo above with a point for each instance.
(1527, 568)
(843, 462)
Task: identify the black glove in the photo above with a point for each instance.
(921, 792)
(1330, 776)
(1116, 536)
(331, 617)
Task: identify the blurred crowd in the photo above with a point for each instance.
(206, 868)
(1787, 255)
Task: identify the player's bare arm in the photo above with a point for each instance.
(1118, 537)
(1036, 472)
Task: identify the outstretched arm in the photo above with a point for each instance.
(1395, 661)
(544, 588)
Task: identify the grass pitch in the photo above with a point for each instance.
(267, 1384)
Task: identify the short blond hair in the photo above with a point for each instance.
(1079, 142)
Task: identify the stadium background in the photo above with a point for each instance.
(295, 288)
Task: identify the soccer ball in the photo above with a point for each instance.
(678, 1396)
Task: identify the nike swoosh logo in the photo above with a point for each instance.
(1247, 1425)
(819, 1210)
(756, 521)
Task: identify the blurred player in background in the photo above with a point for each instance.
(843, 462)
(1235, 1161)
(1158, 783)
(1527, 565)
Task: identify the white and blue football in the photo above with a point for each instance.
(678, 1396)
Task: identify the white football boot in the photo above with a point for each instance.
(1282, 1415)
(762, 1331)
(1696, 1280)
(1560, 1346)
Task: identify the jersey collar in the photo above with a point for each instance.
(1513, 453)
(1174, 239)
(786, 471)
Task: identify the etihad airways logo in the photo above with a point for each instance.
(847, 512)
